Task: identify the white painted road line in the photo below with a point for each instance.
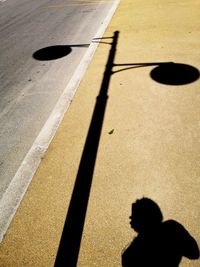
(19, 185)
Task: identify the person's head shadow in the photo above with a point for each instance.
(158, 243)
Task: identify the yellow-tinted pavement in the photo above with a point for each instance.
(149, 142)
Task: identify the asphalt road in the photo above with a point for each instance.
(42, 43)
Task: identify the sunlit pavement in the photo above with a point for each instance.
(149, 142)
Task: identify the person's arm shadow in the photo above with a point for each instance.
(189, 245)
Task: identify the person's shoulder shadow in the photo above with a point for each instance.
(158, 243)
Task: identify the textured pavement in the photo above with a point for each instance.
(149, 143)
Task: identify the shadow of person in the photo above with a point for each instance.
(158, 243)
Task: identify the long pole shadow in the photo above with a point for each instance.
(69, 247)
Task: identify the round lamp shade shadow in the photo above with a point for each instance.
(52, 52)
(174, 74)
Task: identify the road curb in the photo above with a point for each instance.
(20, 182)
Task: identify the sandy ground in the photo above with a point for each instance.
(149, 144)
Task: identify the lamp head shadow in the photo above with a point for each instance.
(52, 52)
(55, 52)
(174, 73)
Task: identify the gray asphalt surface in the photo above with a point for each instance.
(30, 87)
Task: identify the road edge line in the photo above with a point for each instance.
(15, 192)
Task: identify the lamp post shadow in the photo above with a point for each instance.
(69, 247)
